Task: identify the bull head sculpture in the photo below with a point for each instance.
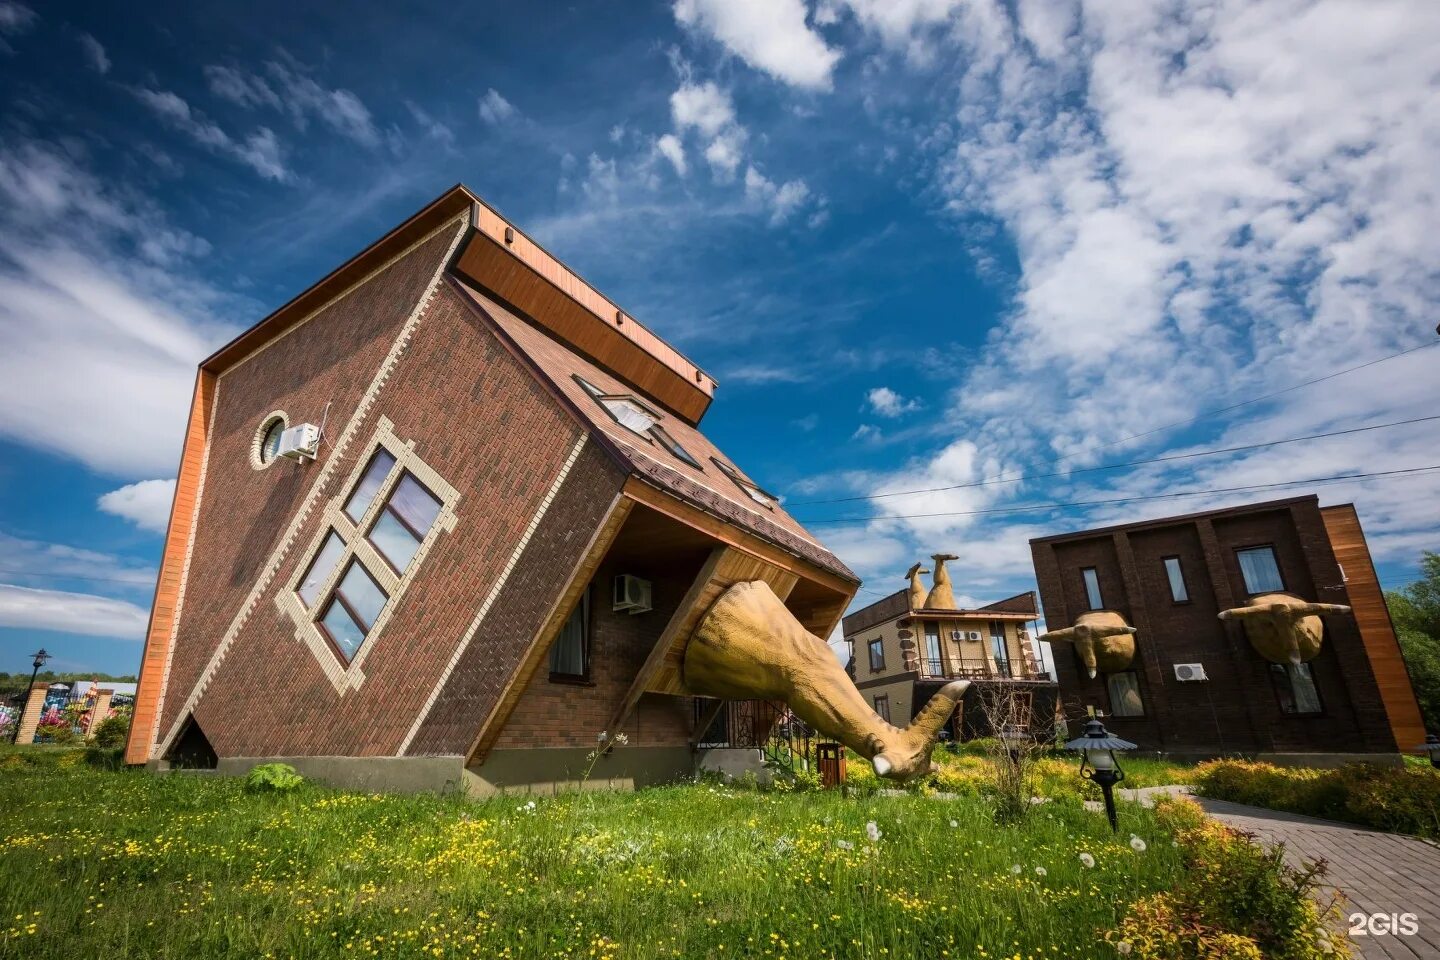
(1282, 628)
(1103, 639)
(918, 593)
(748, 646)
(942, 597)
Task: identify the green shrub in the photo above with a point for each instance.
(112, 731)
(1398, 799)
(1236, 899)
(273, 778)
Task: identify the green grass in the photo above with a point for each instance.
(106, 863)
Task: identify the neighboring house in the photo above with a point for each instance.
(1200, 686)
(902, 654)
(507, 527)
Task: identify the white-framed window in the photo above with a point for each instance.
(1260, 570)
(1092, 588)
(266, 445)
(377, 530)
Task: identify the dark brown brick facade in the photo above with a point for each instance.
(1237, 709)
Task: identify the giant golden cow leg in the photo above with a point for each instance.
(748, 646)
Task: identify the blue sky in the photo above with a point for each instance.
(921, 243)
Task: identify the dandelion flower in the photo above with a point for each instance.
(1041, 871)
(954, 824)
(844, 844)
(1015, 869)
(873, 832)
(1087, 860)
(1137, 844)
(1123, 948)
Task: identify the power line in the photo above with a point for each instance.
(1167, 426)
(1116, 466)
(1026, 508)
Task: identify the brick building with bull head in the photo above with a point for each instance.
(444, 518)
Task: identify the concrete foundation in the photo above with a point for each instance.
(735, 764)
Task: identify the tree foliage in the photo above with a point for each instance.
(1416, 612)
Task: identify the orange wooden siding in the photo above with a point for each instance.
(160, 633)
(1372, 616)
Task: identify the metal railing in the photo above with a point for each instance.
(975, 668)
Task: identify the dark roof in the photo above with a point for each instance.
(706, 486)
(1261, 507)
(898, 605)
(1020, 603)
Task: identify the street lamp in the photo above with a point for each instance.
(1098, 762)
(1432, 747)
(40, 657)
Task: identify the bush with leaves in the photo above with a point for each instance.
(1237, 899)
(273, 778)
(112, 731)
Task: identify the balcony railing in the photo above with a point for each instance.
(978, 669)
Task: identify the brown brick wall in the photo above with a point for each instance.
(244, 512)
(553, 714)
(1237, 709)
(477, 418)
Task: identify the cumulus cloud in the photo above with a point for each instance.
(769, 35)
(670, 147)
(145, 503)
(888, 403)
(781, 200)
(495, 109)
(95, 53)
(709, 112)
(34, 609)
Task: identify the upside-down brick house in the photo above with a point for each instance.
(428, 601)
(1197, 687)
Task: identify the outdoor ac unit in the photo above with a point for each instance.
(957, 634)
(300, 442)
(975, 635)
(631, 594)
(1190, 671)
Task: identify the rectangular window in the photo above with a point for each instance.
(882, 706)
(877, 655)
(320, 569)
(998, 649)
(353, 610)
(752, 491)
(673, 445)
(1092, 588)
(933, 665)
(404, 520)
(1178, 591)
(1125, 698)
(1295, 687)
(1261, 572)
(570, 655)
(369, 484)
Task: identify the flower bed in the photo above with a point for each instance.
(1397, 799)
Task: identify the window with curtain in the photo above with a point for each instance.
(1179, 593)
(1295, 686)
(882, 706)
(1260, 570)
(1092, 588)
(877, 655)
(570, 655)
(1125, 700)
(933, 663)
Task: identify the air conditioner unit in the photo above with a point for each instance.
(631, 594)
(1188, 672)
(957, 634)
(300, 442)
(975, 635)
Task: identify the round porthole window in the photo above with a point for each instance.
(267, 440)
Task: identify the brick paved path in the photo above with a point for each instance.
(1377, 872)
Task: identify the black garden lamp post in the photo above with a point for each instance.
(1432, 747)
(1098, 762)
(40, 657)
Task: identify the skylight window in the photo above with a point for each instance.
(623, 408)
(673, 445)
(752, 491)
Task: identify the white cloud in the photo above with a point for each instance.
(241, 87)
(703, 106)
(671, 149)
(95, 53)
(291, 88)
(888, 403)
(145, 503)
(99, 333)
(32, 609)
(495, 109)
(781, 201)
(769, 35)
(259, 151)
(433, 128)
(27, 560)
(15, 18)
